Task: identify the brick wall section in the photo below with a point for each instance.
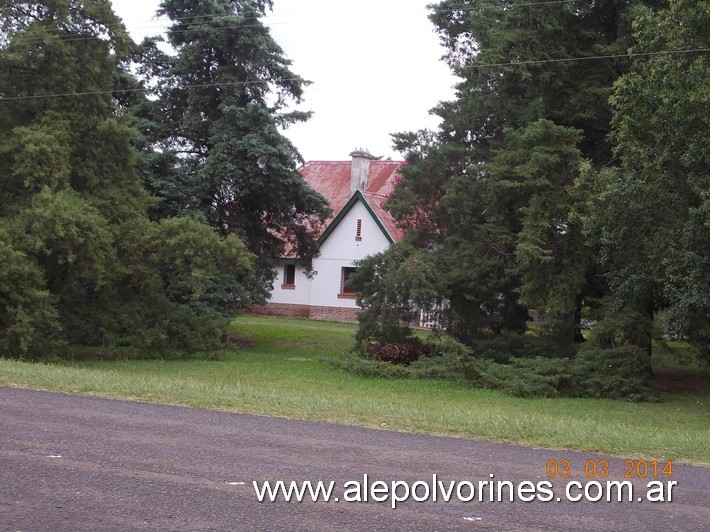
(306, 311)
(285, 310)
(334, 314)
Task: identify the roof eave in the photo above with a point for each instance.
(357, 196)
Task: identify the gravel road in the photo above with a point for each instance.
(83, 463)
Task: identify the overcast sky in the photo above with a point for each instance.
(375, 66)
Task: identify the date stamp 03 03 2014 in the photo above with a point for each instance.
(653, 472)
(640, 469)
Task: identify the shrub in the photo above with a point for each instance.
(430, 367)
(618, 373)
(624, 372)
(523, 377)
(534, 377)
(28, 317)
(610, 373)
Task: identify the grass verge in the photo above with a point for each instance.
(283, 372)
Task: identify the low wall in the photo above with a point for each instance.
(288, 310)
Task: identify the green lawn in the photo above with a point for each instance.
(283, 373)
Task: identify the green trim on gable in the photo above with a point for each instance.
(358, 196)
(298, 261)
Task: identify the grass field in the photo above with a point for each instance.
(282, 370)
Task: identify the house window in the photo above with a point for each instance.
(346, 292)
(289, 276)
(358, 231)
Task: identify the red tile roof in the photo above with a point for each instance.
(331, 179)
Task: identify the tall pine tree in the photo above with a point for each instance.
(218, 153)
(493, 191)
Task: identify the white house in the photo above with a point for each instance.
(360, 226)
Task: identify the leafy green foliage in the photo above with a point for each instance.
(27, 313)
(530, 377)
(82, 264)
(623, 328)
(41, 153)
(182, 280)
(509, 59)
(650, 217)
(536, 168)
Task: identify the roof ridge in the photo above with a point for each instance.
(348, 161)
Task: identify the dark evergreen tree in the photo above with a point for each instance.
(218, 154)
(534, 173)
(493, 191)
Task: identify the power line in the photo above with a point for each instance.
(506, 6)
(588, 58)
(296, 78)
(146, 89)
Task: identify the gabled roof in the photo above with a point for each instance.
(358, 196)
(331, 179)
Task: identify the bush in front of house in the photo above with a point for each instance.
(614, 373)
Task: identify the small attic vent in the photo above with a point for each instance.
(358, 231)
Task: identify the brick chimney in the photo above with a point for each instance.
(359, 170)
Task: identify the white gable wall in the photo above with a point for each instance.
(342, 242)
(341, 249)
